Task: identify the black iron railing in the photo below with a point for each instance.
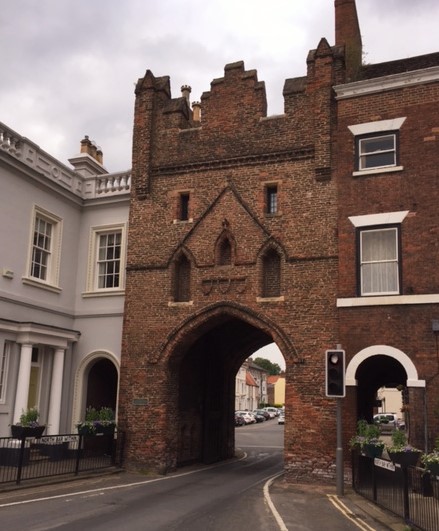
(409, 492)
(56, 455)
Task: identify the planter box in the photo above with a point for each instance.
(22, 432)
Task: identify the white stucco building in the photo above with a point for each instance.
(62, 252)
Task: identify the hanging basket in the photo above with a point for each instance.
(372, 450)
(433, 468)
(405, 459)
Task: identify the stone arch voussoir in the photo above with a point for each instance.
(383, 350)
(190, 329)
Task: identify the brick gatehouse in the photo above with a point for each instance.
(234, 244)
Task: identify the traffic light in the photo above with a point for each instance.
(335, 385)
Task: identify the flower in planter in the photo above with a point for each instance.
(28, 425)
(96, 420)
(400, 444)
(431, 460)
(368, 439)
(29, 418)
(401, 452)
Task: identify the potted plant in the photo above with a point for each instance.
(401, 452)
(97, 421)
(367, 440)
(105, 422)
(28, 425)
(431, 460)
(87, 426)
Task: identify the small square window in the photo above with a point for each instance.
(377, 151)
(271, 199)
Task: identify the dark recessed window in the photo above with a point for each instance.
(182, 280)
(184, 207)
(271, 199)
(271, 274)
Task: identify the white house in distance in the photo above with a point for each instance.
(250, 386)
(62, 253)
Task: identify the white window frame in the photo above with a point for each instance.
(380, 263)
(51, 282)
(4, 367)
(369, 130)
(92, 286)
(364, 156)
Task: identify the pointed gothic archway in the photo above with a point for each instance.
(204, 356)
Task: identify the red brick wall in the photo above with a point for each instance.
(405, 327)
(225, 163)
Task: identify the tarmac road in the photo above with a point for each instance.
(235, 495)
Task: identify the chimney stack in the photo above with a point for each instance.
(196, 108)
(90, 147)
(185, 92)
(347, 34)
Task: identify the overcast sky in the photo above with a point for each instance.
(68, 67)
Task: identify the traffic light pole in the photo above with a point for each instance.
(339, 451)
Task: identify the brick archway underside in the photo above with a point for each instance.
(206, 388)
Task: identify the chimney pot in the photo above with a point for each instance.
(196, 108)
(185, 92)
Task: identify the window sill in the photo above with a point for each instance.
(182, 221)
(103, 293)
(375, 171)
(270, 299)
(40, 284)
(388, 300)
(176, 304)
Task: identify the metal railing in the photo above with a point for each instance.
(57, 455)
(409, 492)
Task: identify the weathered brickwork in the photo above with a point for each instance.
(204, 293)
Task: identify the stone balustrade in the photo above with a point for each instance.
(110, 184)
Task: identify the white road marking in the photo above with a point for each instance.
(100, 491)
(273, 509)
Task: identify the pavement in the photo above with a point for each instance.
(296, 507)
(310, 507)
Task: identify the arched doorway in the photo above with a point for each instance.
(102, 385)
(96, 384)
(380, 366)
(206, 397)
(203, 365)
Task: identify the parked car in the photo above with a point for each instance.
(281, 418)
(388, 421)
(239, 420)
(248, 417)
(264, 413)
(273, 411)
(258, 416)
